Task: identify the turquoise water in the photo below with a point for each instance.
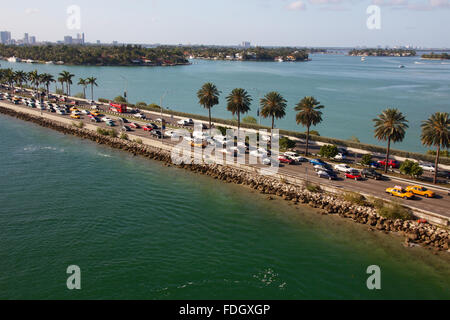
(140, 230)
(352, 91)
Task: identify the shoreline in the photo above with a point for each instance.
(429, 236)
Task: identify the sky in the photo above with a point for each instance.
(315, 23)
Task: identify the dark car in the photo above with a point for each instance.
(124, 120)
(126, 128)
(154, 126)
(156, 133)
(443, 174)
(343, 151)
(371, 173)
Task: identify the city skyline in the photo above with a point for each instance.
(312, 23)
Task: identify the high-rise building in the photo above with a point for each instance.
(246, 44)
(25, 38)
(68, 40)
(32, 40)
(82, 39)
(5, 37)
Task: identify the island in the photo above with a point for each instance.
(436, 56)
(382, 53)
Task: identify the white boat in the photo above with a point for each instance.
(363, 59)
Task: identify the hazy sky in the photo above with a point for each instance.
(263, 22)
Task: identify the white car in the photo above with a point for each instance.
(60, 111)
(139, 116)
(343, 168)
(182, 122)
(258, 153)
(173, 134)
(340, 156)
(318, 168)
(85, 112)
(427, 167)
(106, 119)
(295, 156)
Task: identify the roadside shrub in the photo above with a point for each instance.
(154, 106)
(313, 187)
(112, 133)
(314, 133)
(328, 151)
(442, 153)
(103, 100)
(222, 130)
(366, 159)
(138, 140)
(141, 105)
(411, 168)
(286, 143)
(78, 124)
(354, 139)
(120, 99)
(355, 198)
(102, 131)
(123, 136)
(80, 95)
(377, 203)
(395, 211)
(250, 119)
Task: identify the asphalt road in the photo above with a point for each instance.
(440, 204)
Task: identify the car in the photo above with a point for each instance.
(72, 109)
(258, 153)
(319, 167)
(374, 164)
(86, 112)
(124, 120)
(443, 174)
(106, 119)
(140, 116)
(75, 116)
(154, 126)
(295, 156)
(159, 120)
(94, 119)
(371, 173)
(355, 175)
(199, 143)
(183, 122)
(398, 191)
(110, 123)
(324, 174)
(126, 128)
(76, 112)
(147, 128)
(173, 134)
(427, 167)
(317, 162)
(284, 159)
(343, 151)
(61, 112)
(340, 156)
(95, 113)
(422, 191)
(135, 125)
(343, 168)
(391, 163)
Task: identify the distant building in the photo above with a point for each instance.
(26, 39)
(32, 40)
(246, 44)
(115, 43)
(98, 42)
(68, 40)
(5, 37)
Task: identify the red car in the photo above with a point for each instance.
(134, 125)
(283, 159)
(147, 128)
(391, 163)
(353, 175)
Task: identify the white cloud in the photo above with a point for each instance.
(30, 11)
(297, 5)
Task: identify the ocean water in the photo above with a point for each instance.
(140, 230)
(352, 91)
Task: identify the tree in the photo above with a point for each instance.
(66, 76)
(20, 77)
(436, 132)
(33, 77)
(286, 143)
(273, 105)
(238, 102)
(92, 82)
(411, 168)
(328, 151)
(47, 79)
(83, 82)
(120, 99)
(208, 97)
(390, 126)
(366, 159)
(308, 115)
(250, 120)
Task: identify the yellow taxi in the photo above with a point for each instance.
(398, 191)
(75, 116)
(74, 109)
(422, 191)
(199, 144)
(95, 113)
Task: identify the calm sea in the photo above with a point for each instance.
(353, 92)
(139, 230)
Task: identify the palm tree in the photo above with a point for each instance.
(67, 76)
(238, 102)
(83, 82)
(33, 77)
(308, 115)
(390, 126)
(436, 132)
(62, 81)
(273, 105)
(208, 97)
(9, 77)
(93, 82)
(47, 79)
(20, 77)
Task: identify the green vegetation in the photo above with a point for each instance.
(208, 97)
(123, 136)
(366, 159)
(390, 125)
(80, 95)
(328, 151)
(111, 132)
(312, 187)
(120, 99)
(442, 153)
(250, 120)
(356, 198)
(238, 101)
(273, 105)
(436, 132)
(411, 168)
(308, 115)
(78, 124)
(383, 52)
(141, 105)
(138, 140)
(354, 139)
(394, 211)
(286, 143)
(441, 56)
(125, 55)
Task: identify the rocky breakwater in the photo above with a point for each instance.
(415, 233)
